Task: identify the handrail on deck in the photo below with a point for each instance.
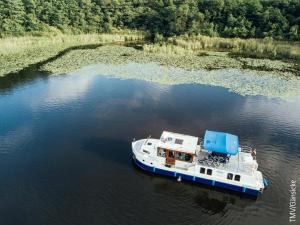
(246, 149)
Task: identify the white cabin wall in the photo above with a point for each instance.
(181, 164)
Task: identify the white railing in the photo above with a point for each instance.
(245, 148)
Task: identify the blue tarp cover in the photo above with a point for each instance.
(221, 142)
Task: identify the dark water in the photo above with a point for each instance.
(65, 155)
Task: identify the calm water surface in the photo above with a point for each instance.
(65, 154)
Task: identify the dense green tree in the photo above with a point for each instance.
(12, 17)
(294, 32)
(279, 19)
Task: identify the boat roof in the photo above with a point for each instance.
(221, 142)
(178, 142)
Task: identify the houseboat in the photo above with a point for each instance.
(217, 161)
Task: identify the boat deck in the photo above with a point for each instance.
(241, 163)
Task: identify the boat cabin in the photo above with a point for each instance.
(177, 147)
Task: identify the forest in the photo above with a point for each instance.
(277, 19)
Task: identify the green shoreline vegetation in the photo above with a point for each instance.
(200, 52)
(16, 53)
(258, 54)
(251, 48)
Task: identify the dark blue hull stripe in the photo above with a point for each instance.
(196, 179)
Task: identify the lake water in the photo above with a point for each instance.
(65, 151)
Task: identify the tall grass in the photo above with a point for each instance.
(19, 52)
(254, 48)
(18, 44)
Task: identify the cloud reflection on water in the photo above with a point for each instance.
(64, 88)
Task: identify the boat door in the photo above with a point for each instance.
(170, 157)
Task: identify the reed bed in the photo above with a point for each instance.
(253, 48)
(19, 52)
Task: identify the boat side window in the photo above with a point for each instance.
(237, 177)
(229, 176)
(209, 172)
(202, 170)
(161, 152)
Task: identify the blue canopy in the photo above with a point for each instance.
(221, 142)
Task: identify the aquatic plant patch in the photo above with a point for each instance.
(211, 69)
(117, 54)
(243, 82)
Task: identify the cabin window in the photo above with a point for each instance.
(178, 141)
(202, 170)
(149, 143)
(161, 152)
(237, 177)
(209, 172)
(145, 151)
(183, 156)
(229, 176)
(180, 156)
